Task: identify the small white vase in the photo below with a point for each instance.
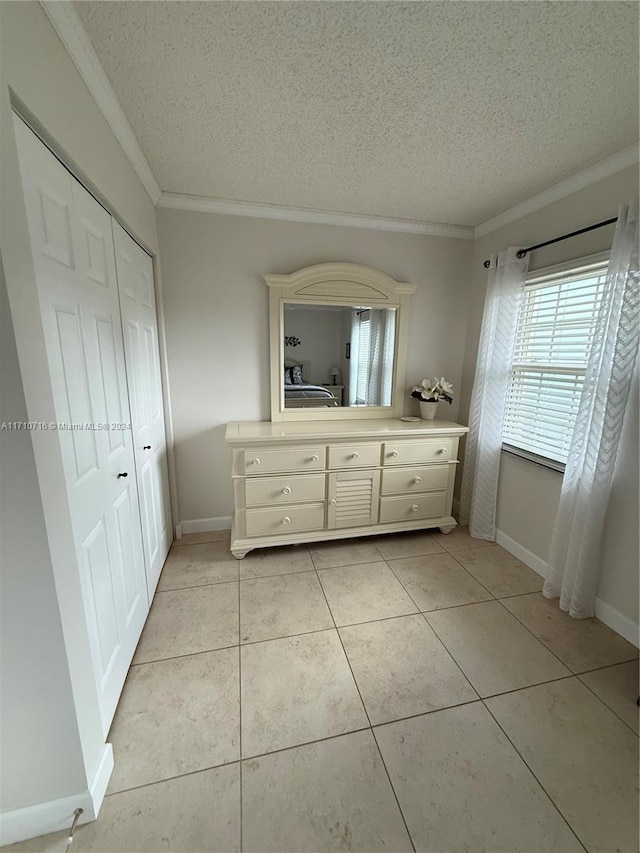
(428, 410)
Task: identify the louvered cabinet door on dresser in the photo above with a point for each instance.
(316, 481)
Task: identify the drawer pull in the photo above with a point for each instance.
(414, 508)
(394, 453)
(333, 501)
(286, 520)
(286, 490)
(315, 458)
(443, 451)
(255, 461)
(355, 456)
(417, 480)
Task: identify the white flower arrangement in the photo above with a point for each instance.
(433, 390)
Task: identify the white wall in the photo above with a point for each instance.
(216, 310)
(320, 335)
(51, 747)
(528, 494)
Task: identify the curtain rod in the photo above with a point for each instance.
(523, 252)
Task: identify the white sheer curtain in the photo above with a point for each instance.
(488, 400)
(371, 357)
(575, 546)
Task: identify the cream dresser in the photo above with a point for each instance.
(319, 480)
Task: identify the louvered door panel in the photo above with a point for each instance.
(353, 498)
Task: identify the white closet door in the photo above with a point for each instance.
(140, 329)
(74, 259)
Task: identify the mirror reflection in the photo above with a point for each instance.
(336, 355)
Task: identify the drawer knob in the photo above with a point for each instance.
(415, 508)
(333, 501)
(286, 490)
(255, 461)
(394, 453)
(355, 456)
(443, 450)
(417, 480)
(286, 520)
(315, 458)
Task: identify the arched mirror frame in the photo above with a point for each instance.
(337, 284)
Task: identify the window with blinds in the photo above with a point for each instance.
(554, 335)
(364, 357)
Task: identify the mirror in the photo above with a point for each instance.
(338, 355)
(338, 335)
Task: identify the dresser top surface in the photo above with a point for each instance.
(382, 428)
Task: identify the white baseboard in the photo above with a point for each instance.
(204, 525)
(98, 787)
(527, 557)
(56, 815)
(617, 621)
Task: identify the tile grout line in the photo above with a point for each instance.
(386, 770)
(462, 566)
(550, 650)
(350, 625)
(607, 666)
(429, 625)
(172, 778)
(546, 793)
(615, 713)
(364, 708)
(542, 642)
(194, 586)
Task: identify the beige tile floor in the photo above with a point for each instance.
(399, 693)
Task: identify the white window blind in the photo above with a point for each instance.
(555, 330)
(364, 357)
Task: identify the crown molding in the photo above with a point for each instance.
(591, 175)
(67, 24)
(202, 204)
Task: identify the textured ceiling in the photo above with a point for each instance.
(441, 111)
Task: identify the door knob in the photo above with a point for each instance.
(147, 447)
(333, 501)
(123, 474)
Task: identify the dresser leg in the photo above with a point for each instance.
(240, 554)
(446, 530)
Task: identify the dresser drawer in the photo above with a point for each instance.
(414, 452)
(354, 455)
(399, 481)
(296, 488)
(279, 461)
(413, 507)
(284, 520)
